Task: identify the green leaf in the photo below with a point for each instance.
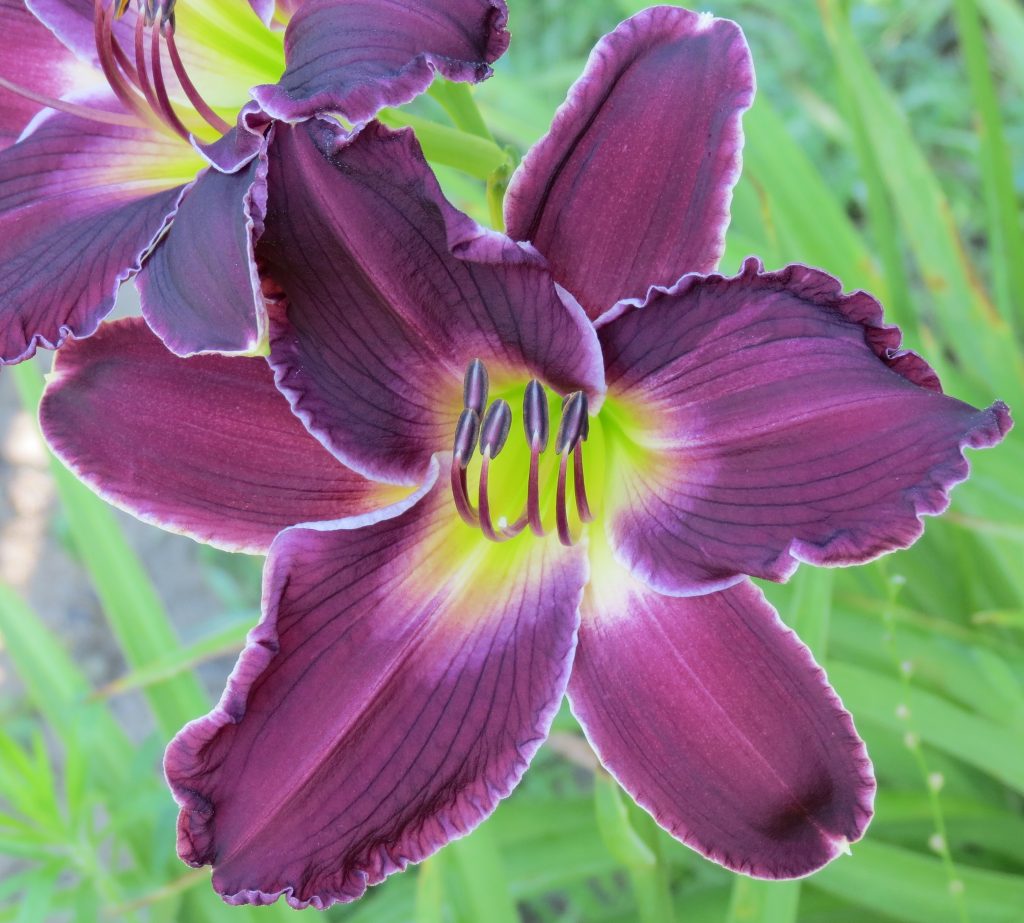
(909, 886)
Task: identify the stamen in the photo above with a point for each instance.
(492, 428)
(164, 108)
(493, 435)
(140, 64)
(474, 387)
(573, 422)
(466, 431)
(83, 112)
(202, 107)
(535, 422)
(105, 44)
(582, 504)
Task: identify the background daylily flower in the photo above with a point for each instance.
(91, 187)
(411, 657)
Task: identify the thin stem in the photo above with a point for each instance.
(582, 504)
(83, 112)
(201, 106)
(164, 107)
(142, 79)
(561, 513)
(533, 496)
(484, 504)
(461, 496)
(103, 32)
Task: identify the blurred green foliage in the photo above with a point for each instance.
(884, 146)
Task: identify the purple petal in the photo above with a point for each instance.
(72, 22)
(205, 446)
(80, 203)
(716, 719)
(632, 185)
(237, 147)
(389, 293)
(775, 420)
(400, 682)
(356, 57)
(41, 64)
(199, 289)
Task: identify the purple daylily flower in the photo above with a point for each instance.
(411, 657)
(88, 192)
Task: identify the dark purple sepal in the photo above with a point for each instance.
(716, 719)
(75, 222)
(33, 59)
(238, 147)
(776, 420)
(386, 294)
(206, 446)
(631, 186)
(399, 684)
(354, 58)
(199, 288)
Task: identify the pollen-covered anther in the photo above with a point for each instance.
(489, 430)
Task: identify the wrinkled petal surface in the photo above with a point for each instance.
(389, 293)
(631, 187)
(716, 719)
(205, 446)
(404, 675)
(199, 289)
(356, 57)
(41, 64)
(769, 419)
(80, 204)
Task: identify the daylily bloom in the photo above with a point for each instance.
(675, 438)
(89, 191)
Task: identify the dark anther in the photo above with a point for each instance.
(474, 387)
(494, 428)
(535, 416)
(573, 423)
(466, 431)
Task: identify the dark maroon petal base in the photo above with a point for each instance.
(716, 719)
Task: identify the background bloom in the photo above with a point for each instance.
(89, 191)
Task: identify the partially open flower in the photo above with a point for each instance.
(173, 126)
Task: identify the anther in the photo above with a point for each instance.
(466, 431)
(474, 387)
(495, 428)
(536, 424)
(573, 423)
(535, 416)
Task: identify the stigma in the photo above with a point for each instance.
(486, 428)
